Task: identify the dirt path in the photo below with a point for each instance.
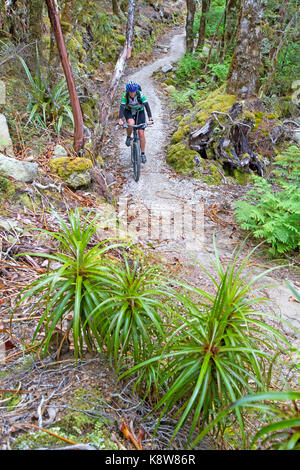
(173, 214)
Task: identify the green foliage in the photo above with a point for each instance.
(212, 18)
(47, 106)
(272, 215)
(212, 355)
(73, 286)
(129, 319)
(220, 70)
(189, 66)
(282, 432)
(287, 164)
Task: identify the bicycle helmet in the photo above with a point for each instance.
(132, 86)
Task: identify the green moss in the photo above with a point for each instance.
(181, 158)
(75, 47)
(181, 132)
(170, 81)
(215, 101)
(25, 201)
(209, 172)
(13, 400)
(66, 27)
(7, 188)
(120, 38)
(64, 166)
(242, 177)
(76, 426)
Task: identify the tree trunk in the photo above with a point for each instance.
(119, 68)
(67, 13)
(75, 104)
(230, 27)
(284, 37)
(191, 8)
(243, 77)
(35, 13)
(202, 27)
(213, 41)
(115, 7)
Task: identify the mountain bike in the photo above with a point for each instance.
(135, 149)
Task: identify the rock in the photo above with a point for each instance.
(17, 169)
(167, 68)
(6, 146)
(74, 171)
(59, 151)
(296, 136)
(8, 224)
(77, 180)
(204, 53)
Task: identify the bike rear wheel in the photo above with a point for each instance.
(136, 160)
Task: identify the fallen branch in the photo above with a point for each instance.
(47, 431)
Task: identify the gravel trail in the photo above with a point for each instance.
(174, 212)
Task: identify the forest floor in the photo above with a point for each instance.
(173, 219)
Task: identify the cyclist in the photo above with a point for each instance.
(132, 109)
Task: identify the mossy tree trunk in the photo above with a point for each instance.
(116, 7)
(243, 77)
(75, 104)
(35, 12)
(230, 26)
(190, 15)
(202, 26)
(274, 58)
(67, 13)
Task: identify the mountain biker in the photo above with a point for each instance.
(132, 109)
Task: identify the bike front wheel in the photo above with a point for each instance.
(136, 160)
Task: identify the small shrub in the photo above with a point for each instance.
(73, 287)
(47, 106)
(282, 413)
(272, 215)
(217, 349)
(287, 165)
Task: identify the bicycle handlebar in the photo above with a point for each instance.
(145, 124)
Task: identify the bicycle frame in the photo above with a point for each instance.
(135, 148)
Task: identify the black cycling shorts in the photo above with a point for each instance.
(139, 117)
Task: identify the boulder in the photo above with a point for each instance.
(74, 171)
(167, 68)
(6, 146)
(19, 170)
(59, 151)
(296, 136)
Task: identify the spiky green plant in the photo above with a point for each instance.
(220, 349)
(132, 318)
(47, 106)
(72, 288)
(282, 412)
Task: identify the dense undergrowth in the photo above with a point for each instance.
(193, 354)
